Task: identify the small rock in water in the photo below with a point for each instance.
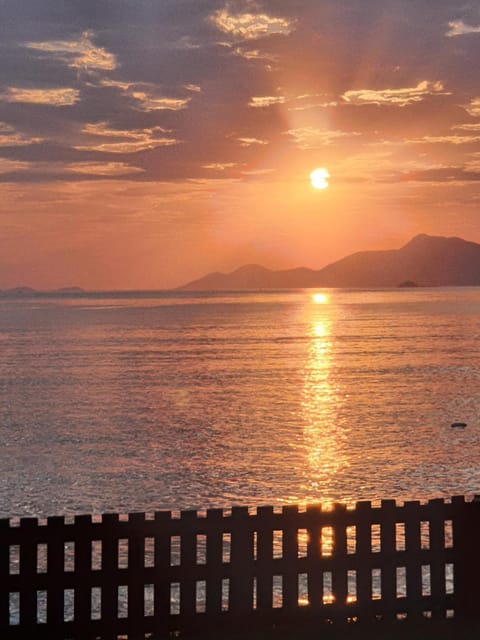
(459, 425)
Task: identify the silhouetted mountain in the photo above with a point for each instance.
(428, 261)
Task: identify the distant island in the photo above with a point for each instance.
(426, 261)
(69, 290)
(28, 291)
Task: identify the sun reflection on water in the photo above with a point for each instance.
(322, 435)
(320, 298)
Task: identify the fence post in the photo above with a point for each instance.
(4, 575)
(241, 588)
(466, 540)
(28, 571)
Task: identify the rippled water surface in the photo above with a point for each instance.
(172, 400)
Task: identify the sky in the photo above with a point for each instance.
(145, 143)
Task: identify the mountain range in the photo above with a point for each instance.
(428, 261)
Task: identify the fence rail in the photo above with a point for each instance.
(150, 575)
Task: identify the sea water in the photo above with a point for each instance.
(169, 400)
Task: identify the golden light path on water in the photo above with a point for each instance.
(323, 438)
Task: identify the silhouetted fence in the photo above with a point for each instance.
(143, 575)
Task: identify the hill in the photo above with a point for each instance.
(428, 261)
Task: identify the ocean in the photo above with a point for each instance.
(170, 400)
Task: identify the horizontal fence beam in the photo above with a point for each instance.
(140, 574)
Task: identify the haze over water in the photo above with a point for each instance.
(123, 402)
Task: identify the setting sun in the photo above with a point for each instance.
(319, 178)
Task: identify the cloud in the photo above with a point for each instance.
(59, 169)
(303, 106)
(250, 26)
(451, 139)
(194, 88)
(468, 127)
(473, 108)
(115, 84)
(10, 137)
(266, 101)
(77, 54)
(312, 138)
(102, 168)
(219, 166)
(186, 43)
(255, 54)
(296, 103)
(9, 166)
(61, 97)
(149, 102)
(258, 172)
(147, 95)
(125, 140)
(248, 142)
(473, 162)
(459, 28)
(395, 97)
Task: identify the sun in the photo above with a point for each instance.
(319, 178)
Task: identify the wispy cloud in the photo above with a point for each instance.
(248, 142)
(219, 166)
(61, 97)
(77, 54)
(10, 137)
(258, 172)
(9, 166)
(312, 138)
(250, 26)
(395, 97)
(150, 102)
(114, 84)
(473, 162)
(473, 108)
(187, 43)
(450, 139)
(125, 140)
(475, 126)
(194, 88)
(148, 96)
(294, 102)
(102, 168)
(59, 169)
(266, 101)
(307, 101)
(460, 28)
(255, 54)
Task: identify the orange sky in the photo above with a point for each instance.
(145, 144)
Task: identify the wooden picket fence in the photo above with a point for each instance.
(164, 574)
